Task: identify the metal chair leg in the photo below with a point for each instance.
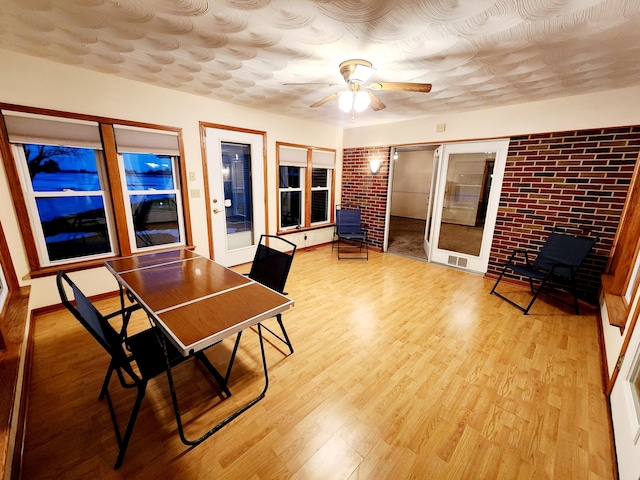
(124, 442)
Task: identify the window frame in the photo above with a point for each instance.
(301, 189)
(112, 187)
(307, 184)
(320, 189)
(31, 197)
(620, 281)
(128, 193)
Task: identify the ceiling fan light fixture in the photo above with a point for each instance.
(353, 100)
(345, 101)
(361, 101)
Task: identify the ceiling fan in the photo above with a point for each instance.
(359, 96)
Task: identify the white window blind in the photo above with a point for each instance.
(323, 159)
(292, 156)
(146, 140)
(48, 130)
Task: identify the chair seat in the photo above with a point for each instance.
(352, 236)
(149, 353)
(527, 271)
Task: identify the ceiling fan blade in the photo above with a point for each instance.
(325, 100)
(319, 84)
(376, 104)
(402, 86)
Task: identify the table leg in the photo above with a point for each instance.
(235, 414)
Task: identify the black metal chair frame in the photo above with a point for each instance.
(270, 268)
(551, 263)
(153, 356)
(350, 232)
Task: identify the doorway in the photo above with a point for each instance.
(235, 170)
(465, 203)
(409, 196)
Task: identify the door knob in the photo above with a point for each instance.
(215, 210)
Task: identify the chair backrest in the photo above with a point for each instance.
(348, 220)
(271, 265)
(91, 319)
(566, 248)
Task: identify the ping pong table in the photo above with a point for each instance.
(197, 303)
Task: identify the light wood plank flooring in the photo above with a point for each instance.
(402, 369)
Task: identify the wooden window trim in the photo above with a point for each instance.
(622, 258)
(17, 197)
(307, 189)
(115, 187)
(12, 285)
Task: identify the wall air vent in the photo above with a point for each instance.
(457, 261)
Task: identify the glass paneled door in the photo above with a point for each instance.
(434, 178)
(235, 165)
(466, 203)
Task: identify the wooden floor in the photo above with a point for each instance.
(402, 369)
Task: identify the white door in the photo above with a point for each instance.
(235, 167)
(434, 176)
(625, 410)
(466, 203)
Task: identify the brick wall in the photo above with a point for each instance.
(577, 178)
(365, 189)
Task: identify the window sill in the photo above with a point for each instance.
(15, 317)
(72, 267)
(304, 229)
(617, 308)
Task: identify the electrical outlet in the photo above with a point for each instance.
(195, 193)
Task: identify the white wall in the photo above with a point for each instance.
(38, 83)
(606, 109)
(411, 184)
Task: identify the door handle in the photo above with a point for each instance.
(215, 210)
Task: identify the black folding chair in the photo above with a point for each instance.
(270, 267)
(558, 261)
(351, 234)
(147, 350)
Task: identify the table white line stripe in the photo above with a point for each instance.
(205, 297)
(164, 264)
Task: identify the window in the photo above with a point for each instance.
(305, 182)
(67, 194)
(322, 163)
(62, 172)
(149, 169)
(77, 208)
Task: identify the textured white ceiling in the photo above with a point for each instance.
(476, 53)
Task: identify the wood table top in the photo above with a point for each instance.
(194, 300)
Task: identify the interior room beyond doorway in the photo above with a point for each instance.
(410, 194)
